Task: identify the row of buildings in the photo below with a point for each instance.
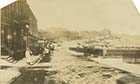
(111, 47)
(18, 29)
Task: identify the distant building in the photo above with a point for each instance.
(18, 28)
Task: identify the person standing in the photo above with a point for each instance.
(28, 55)
(104, 51)
(40, 50)
(46, 53)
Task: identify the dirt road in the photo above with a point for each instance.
(67, 68)
(72, 69)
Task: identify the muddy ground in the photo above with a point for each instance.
(67, 68)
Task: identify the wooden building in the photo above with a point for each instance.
(18, 29)
(129, 55)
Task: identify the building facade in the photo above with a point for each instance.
(18, 29)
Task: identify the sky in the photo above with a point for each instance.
(120, 16)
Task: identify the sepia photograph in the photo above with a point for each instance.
(70, 42)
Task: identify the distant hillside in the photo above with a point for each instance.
(130, 40)
(59, 34)
(65, 34)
